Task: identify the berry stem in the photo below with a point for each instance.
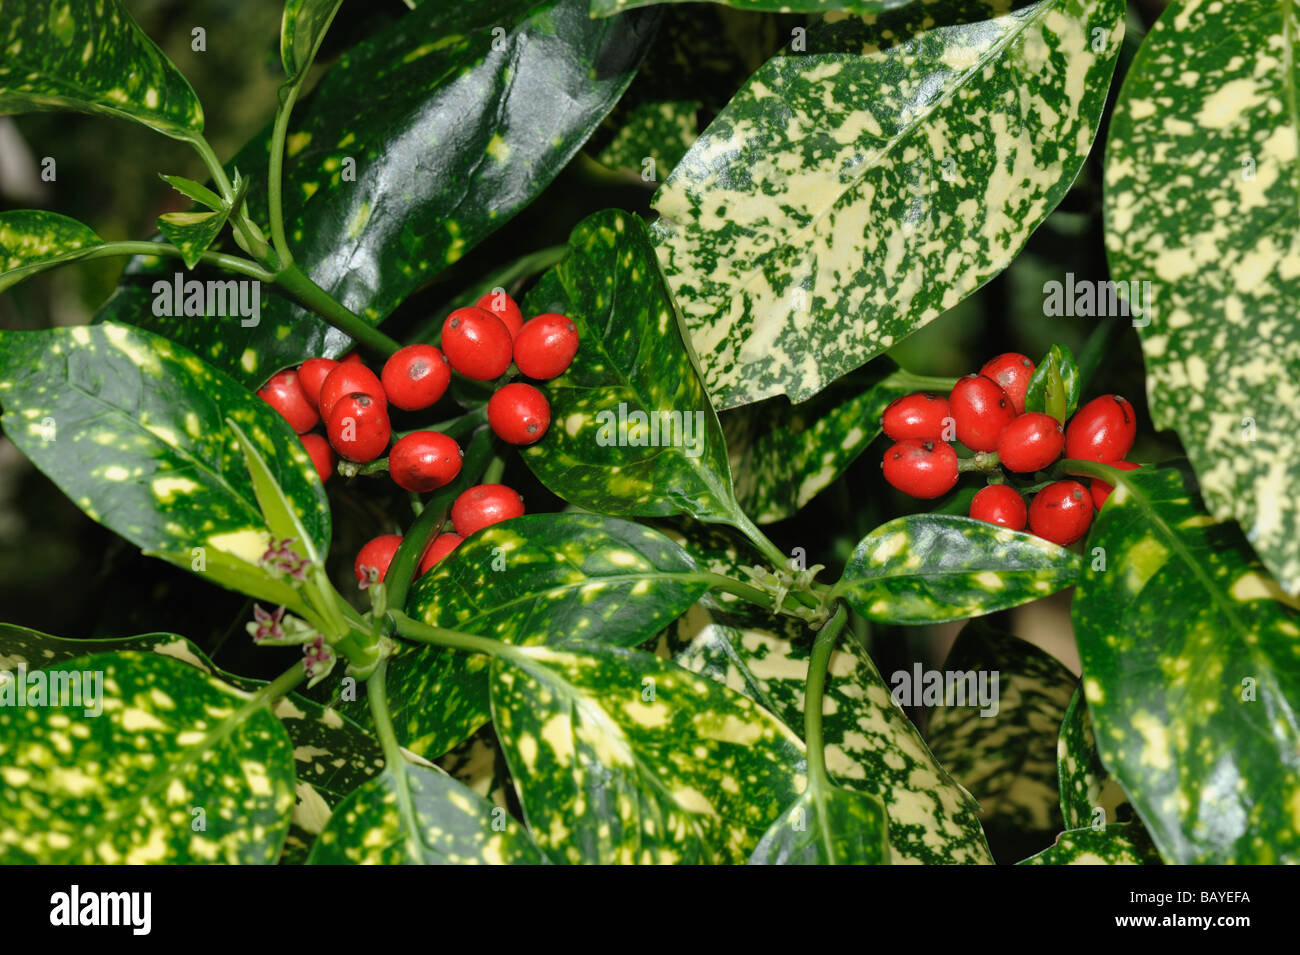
(453, 427)
(295, 283)
(985, 461)
(377, 696)
(824, 645)
(906, 380)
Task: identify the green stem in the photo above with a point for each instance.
(454, 639)
(295, 283)
(986, 461)
(377, 695)
(453, 427)
(816, 689)
(780, 561)
(495, 470)
(278, 687)
(231, 263)
(352, 469)
(275, 171)
(238, 217)
(905, 379)
(1105, 472)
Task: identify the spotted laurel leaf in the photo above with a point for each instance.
(32, 241)
(1202, 200)
(1089, 794)
(170, 747)
(302, 28)
(812, 225)
(91, 57)
(927, 568)
(1181, 595)
(827, 825)
(607, 8)
(1119, 843)
(622, 757)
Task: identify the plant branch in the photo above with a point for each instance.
(296, 284)
(377, 696)
(453, 639)
(824, 645)
(231, 263)
(275, 170)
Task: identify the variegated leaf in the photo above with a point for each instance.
(1120, 843)
(479, 763)
(1055, 384)
(540, 578)
(1191, 674)
(418, 815)
(633, 432)
(606, 8)
(1089, 795)
(133, 428)
(332, 755)
(1202, 195)
(194, 190)
(1002, 747)
(191, 232)
(848, 196)
(91, 57)
(126, 784)
(620, 756)
(660, 131)
(32, 241)
(784, 455)
(302, 28)
(827, 825)
(927, 568)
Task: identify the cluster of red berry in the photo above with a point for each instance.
(986, 413)
(479, 342)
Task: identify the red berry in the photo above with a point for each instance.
(353, 356)
(1000, 504)
(918, 417)
(1100, 489)
(424, 461)
(416, 377)
(484, 505)
(358, 427)
(1012, 371)
(1061, 512)
(980, 409)
(545, 346)
(347, 378)
(438, 548)
(477, 343)
(284, 393)
(312, 374)
(1102, 430)
(378, 554)
(322, 455)
(503, 307)
(921, 468)
(1031, 442)
(519, 414)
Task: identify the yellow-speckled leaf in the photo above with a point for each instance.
(634, 433)
(1002, 746)
(32, 241)
(1202, 199)
(1191, 671)
(175, 767)
(419, 815)
(849, 194)
(1089, 794)
(1119, 843)
(605, 8)
(622, 757)
(302, 28)
(847, 828)
(133, 428)
(91, 57)
(928, 568)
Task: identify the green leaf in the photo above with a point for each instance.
(92, 58)
(302, 28)
(634, 433)
(622, 757)
(871, 745)
(278, 511)
(440, 105)
(419, 815)
(928, 568)
(169, 746)
(196, 191)
(606, 8)
(1089, 794)
(850, 829)
(1055, 385)
(1191, 675)
(479, 763)
(133, 429)
(811, 226)
(784, 455)
(32, 241)
(1005, 753)
(191, 232)
(661, 131)
(1202, 201)
(1120, 843)
(540, 578)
